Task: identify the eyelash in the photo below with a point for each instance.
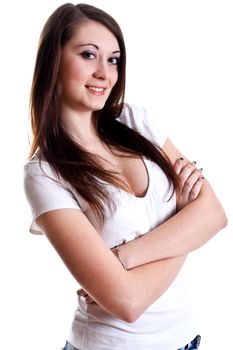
(89, 56)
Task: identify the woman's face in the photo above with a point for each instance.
(89, 68)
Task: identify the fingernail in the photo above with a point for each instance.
(201, 169)
(181, 158)
(194, 162)
(202, 177)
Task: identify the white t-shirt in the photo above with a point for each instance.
(168, 323)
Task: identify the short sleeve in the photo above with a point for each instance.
(45, 192)
(144, 122)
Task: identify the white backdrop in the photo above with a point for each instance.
(180, 58)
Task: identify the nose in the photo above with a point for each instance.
(101, 70)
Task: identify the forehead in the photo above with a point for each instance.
(95, 33)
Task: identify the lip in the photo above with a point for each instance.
(96, 90)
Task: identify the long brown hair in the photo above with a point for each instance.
(51, 141)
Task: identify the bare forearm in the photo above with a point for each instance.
(189, 229)
(140, 287)
(124, 294)
(148, 282)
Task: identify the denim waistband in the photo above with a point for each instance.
(194, 345)
(68, 346)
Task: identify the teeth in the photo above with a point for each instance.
(96, 89)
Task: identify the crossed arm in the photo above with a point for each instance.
(127, 293)
(199, 217)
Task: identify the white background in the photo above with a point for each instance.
(180, 64)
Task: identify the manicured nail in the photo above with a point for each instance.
(181, 158)
(201, 169)
(194, 162)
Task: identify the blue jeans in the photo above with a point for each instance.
(194, 345)
(68, 346)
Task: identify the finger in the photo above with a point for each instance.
(190, 182)
(179, 165)
(114, 250)
(81, 292)
(196, 188)
(186, 172)
(89, 300)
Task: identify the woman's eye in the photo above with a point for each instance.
(88, 55)
(114, 60)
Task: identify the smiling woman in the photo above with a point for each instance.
(88, 71)
(105, 185)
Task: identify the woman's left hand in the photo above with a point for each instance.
(191, 181)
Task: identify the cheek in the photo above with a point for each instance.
(114, 78)
(70, 70)
(71, 78)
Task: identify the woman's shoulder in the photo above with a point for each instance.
(144, 121)
(38, 167)
(132, 114)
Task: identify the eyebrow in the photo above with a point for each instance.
(97, 47)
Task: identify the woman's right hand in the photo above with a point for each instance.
(191, 181)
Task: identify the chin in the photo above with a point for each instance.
(97, 107)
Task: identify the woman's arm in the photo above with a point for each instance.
(124, 294)
(189, 229)
(191, 180)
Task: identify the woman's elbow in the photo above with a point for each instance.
(224, 220)
(130, 314)
(213, 211)
(212, 208)
(131, 318)
(221, 218)
(133, 309)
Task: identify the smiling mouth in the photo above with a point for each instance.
(96, 90)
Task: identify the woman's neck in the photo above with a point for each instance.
(80, 127)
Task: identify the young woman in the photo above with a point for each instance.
(117, 200)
